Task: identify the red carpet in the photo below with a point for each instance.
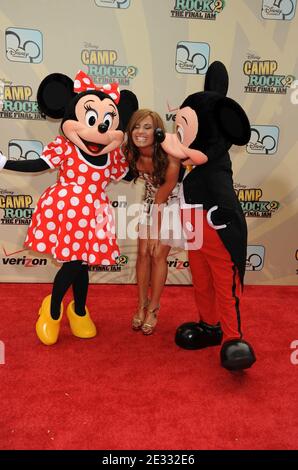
(122, 390)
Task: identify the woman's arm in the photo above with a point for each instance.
(171, 179)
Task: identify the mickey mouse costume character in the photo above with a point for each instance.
(72, 220)
(210, 123)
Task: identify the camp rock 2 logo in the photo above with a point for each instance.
(16, 208)
(192, 57)
(113, 3)
(262, 77)
(255, 257)
(24, 149)
(102, 66)
(251, 203)
(197, 9)
(278, 9)
(263, 140)
(121, 261)
(15, 102)
(23, 45)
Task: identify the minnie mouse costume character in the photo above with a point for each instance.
(210, 123)
(72, 220)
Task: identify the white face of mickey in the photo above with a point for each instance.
(95, 131)
(186, 126)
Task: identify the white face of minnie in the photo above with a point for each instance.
(143, 133)
(91, 113)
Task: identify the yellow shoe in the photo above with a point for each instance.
(47, 328)
(82, 327)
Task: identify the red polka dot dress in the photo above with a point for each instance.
(73, 219)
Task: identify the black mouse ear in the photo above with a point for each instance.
(232, 121)
(217, 78)
(54, 93)
(127, 105)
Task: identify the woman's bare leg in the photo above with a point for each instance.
(143, 269)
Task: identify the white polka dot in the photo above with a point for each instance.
(92, 188)
(100, 234)
(48, 201)
(92, 223)
(38, 234)
(77, 189)
(114, 170)
(107, 87)
(67, 239)
(103, 196)
(70, 161)
(48, 213)
(96, 204)
(105, 262)
(60, 217)
(70, 174)
(58, 140)
(83, 168)
(88, 198)
(75, 246)
(99, 218)
(68, 226)
(84, 257)
(104, 185)
(61, 205)
(81, 179)
(71, 213)
(115, 254)
(77, 84)
(86, 210)
(74, 201)
(96, 247)
(68, 150)
(107, 172)
(53, 238)
(65, 252)
(74, 258)
(87, 245)
(51, 226)
(41, 246)
(62, 193)
(86, 80)
(92, 258)
(95, 176)
(83, 223)
(56, 160)
(90, 235)
(103, 248)
(79, 234)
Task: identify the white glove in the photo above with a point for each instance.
(3, 160)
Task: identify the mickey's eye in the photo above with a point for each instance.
(180, 133)
(91, 117)
(108, 119)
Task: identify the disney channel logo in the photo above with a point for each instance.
(102, 66)
(255, 257)
(278, 9)
(192, 57)
(197, 9)
(263, 140)
(24, 149)
(262, 77)
(252, 205)
(113, 3)
(15, 102)
(24, 45)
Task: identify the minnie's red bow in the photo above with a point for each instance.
(84, 83)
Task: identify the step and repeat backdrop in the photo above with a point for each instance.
(161, 50)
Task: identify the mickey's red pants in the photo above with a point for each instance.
(216, 283)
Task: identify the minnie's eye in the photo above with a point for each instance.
(180, 133)
(108, 120)
(91, 117)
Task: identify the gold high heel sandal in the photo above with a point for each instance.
(137, 322)
(147, 327)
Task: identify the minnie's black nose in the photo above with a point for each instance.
(103, 127)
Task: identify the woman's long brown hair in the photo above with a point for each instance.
(132, 153)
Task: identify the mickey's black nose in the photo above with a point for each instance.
(103, 127)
